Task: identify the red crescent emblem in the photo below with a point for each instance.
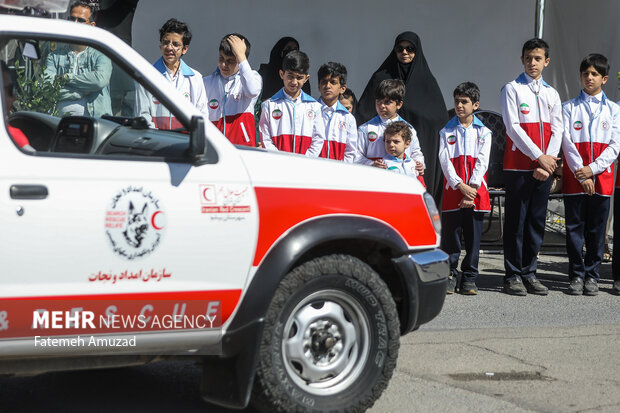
(206, 196)
(153, 217)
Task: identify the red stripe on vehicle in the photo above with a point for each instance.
(18, 312)
(280, 209)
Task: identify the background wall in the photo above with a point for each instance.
(572, 38)
(476, 40)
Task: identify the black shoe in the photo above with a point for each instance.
(451, 284)
(534, 286)
(616, 288)
(469, 288)
(454, 281)
(515, 287)
(590, 287)
(576, 286)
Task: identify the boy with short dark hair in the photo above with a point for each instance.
(590, 145)
(369, 149)
(464, 150)
(340, 125)
(532, 114)
(291, 120)
(233, 89)
(174, 40)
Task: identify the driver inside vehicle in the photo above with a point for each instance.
(85, 70)
(9, 97)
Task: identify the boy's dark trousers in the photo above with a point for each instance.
(468, 222)
(615, 264)
(586, 218)
(524, 222)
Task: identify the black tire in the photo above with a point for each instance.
(330, 341)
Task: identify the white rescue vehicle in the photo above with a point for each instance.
(289, 279)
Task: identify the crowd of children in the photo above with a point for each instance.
(538, 125)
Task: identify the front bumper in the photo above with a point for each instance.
(426, 278)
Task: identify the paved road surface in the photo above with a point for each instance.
(542, 354)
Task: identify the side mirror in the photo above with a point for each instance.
(197, 139)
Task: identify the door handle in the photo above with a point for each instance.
(28, 191)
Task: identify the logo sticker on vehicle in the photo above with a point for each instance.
(224, 199)
(578, 125)
(524, 108)
(214, 104)
(276, 114)
(134, 222)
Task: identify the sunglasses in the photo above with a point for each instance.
(409, 49)
(77, 19)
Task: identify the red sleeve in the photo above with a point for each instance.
(18, 136)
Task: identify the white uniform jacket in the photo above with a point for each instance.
(532, 113)
(405, 166)
(370, 144)
(591, 138)
(464, 157)
(231, 103)
(187, 81)
(292, 126)
(340, 131)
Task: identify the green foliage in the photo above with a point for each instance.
(38, 92)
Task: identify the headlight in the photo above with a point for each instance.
(433, 212)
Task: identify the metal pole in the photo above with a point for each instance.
(540, 18)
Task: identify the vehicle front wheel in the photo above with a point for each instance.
(330, 340)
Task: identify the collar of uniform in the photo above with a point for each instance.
(601, 97)
(526, 79)
(395, 159)
(184, 68)
(281, 94)
(454, 122)
(338, 107)
(388, 121)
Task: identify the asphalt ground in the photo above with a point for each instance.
(499, 353)
(486, 353)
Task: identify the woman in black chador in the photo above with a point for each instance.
(424, 107)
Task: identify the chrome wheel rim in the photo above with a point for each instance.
(326, 342)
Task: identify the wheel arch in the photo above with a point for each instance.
(372, 241)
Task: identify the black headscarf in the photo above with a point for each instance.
(423, 106)
(271, 71)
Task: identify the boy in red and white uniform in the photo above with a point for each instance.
(398, 137)
(464, 149)
(532, 114)
(590, 145)
(369, 149)
(174, 38)
(340, 125)
(233, 89)
(291, 120)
